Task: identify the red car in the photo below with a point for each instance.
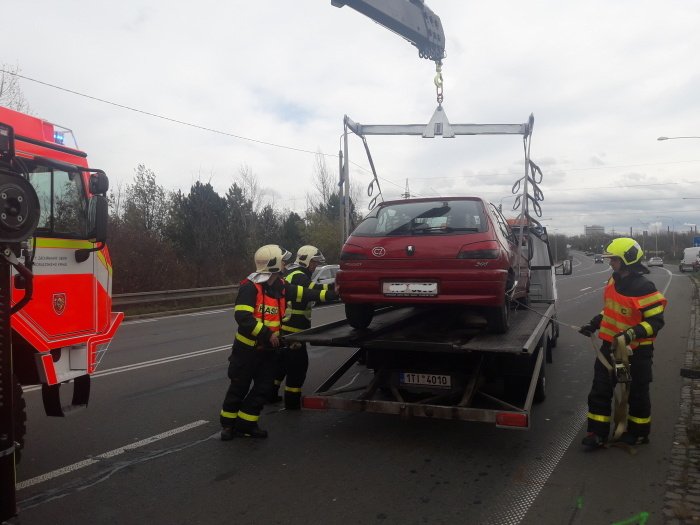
(451, 250)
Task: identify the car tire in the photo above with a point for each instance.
(359, 315)
(498, 318)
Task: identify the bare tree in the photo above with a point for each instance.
(11, 95)
(248, 182)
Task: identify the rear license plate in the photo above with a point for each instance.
(434, 380)
(410, 289)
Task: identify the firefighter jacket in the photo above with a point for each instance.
(260, 307)
(298, 314)
(633, 306)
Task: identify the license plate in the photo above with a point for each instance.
(410, 289)
(434, 380)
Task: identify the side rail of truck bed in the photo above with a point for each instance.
(438, 364)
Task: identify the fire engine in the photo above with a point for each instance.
(62, 321)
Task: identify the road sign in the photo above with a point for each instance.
(696, 241)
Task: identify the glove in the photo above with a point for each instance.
(628, 334)
(587, 330)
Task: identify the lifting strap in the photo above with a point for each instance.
(621, 372)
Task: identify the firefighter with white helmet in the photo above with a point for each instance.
(633, 311)
(294, 362)
(259, 309)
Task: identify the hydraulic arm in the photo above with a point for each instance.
(411, 19)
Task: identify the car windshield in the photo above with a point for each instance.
(424, 218)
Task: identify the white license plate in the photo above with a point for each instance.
(434, 380)
(410, 289)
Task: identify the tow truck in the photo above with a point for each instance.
(56, 274)
(442, 363)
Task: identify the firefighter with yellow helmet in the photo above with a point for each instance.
(259, 310)
(633, 309)
(294, 362)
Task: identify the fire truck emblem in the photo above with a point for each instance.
(59, 303)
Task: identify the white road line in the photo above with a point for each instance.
(146, 364)
(80, 464)
(586, 288)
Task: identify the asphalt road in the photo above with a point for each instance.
(146, 450)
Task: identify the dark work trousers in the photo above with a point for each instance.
(246, 366)
(293, 363)
(601, 395)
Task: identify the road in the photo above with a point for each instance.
(146, 450)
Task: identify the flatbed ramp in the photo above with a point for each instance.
(438, 363)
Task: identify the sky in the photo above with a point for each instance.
(603, 80)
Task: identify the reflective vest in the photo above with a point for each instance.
(268, 311)
(299, 325)
(621, 312)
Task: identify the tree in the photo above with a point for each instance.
(198, 230)
(240, 231)
(293, 232)
(146, 204)
(11, 95)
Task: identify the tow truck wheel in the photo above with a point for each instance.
(359, 315)
(20, 416)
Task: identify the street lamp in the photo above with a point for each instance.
(673, 138)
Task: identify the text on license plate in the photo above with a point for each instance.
(427, 289)
(435, 380)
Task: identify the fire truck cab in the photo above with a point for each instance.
(65, 328)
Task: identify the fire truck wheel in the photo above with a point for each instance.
(20, 418)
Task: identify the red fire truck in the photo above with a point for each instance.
(63, 331)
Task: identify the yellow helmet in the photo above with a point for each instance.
(626, 249)
(268, 259)
(309, 253)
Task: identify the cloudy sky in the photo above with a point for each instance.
(603, 79)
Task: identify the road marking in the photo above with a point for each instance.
(586, 288)
(117, 451)
(146, 364)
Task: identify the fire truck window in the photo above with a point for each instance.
(62, 201)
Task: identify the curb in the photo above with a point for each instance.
(682, 498)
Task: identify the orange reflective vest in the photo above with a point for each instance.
(621, 312)
(268, 311)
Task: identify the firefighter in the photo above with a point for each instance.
(294, 362)
(633, 310)
(259, 310)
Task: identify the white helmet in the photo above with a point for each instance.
(268, 259)
(309, 253)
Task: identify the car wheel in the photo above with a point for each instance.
(359, 315)
(498, 318)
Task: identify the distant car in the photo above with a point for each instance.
(655, 261)
(598, 258)
(325, 274)
(433, 251)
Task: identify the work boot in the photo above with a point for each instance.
(227, 433)
(593, 441)
(292, 400)
(252, 432)
(632, 440)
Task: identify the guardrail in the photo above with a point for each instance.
(128, 299)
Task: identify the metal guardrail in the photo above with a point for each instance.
(128, 299)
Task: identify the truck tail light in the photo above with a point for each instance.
(315, 402)
(480, 250)
(511, 419)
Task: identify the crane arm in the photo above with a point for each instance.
(411, 19)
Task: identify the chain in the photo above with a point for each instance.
(438, 81)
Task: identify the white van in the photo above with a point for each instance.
(690, 261)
